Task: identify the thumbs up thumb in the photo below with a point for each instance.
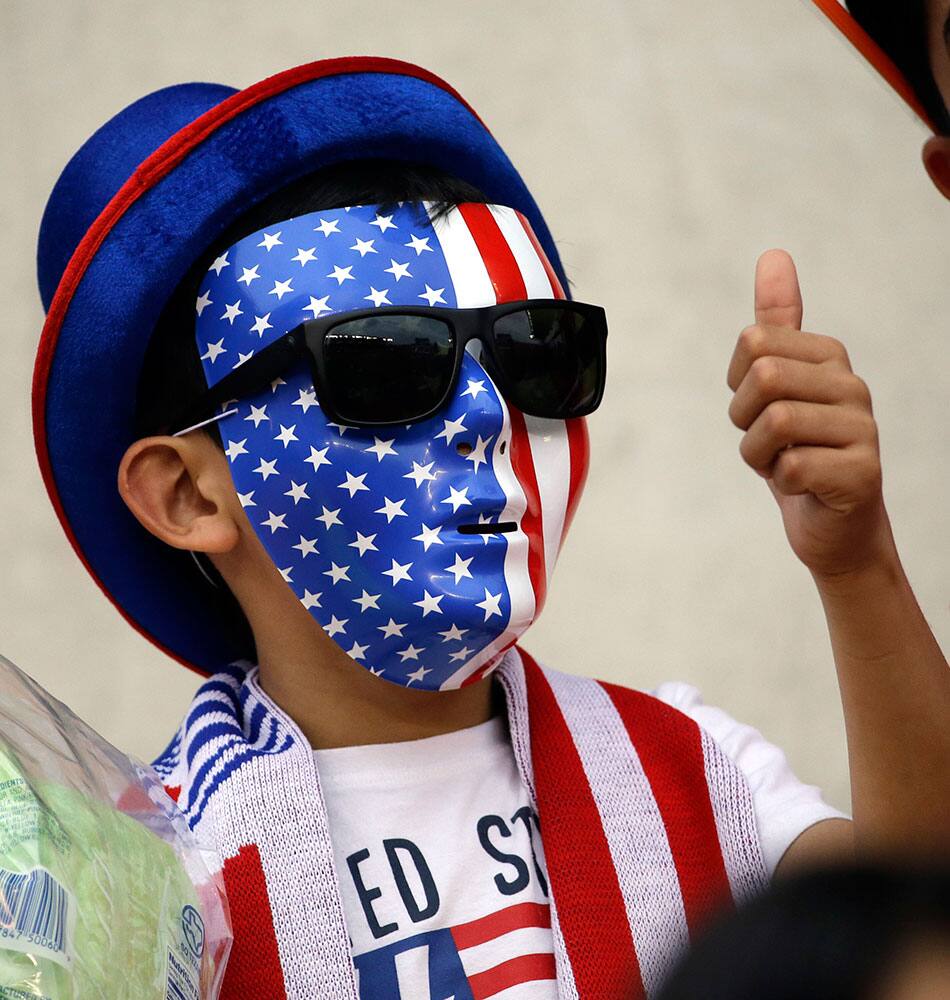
(778, 299)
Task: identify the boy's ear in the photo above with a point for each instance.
(181, 491)
(936, 157)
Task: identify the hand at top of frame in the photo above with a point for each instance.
(809, 430)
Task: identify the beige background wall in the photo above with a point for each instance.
(667, 144)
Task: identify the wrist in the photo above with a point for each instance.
(872, 613)
(878, 572)
(880, 575)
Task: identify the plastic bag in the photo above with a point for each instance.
(104, 891)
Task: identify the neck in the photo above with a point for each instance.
(338, 703)
(335, 701)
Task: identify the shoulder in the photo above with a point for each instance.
(784, 805)
(743, 743)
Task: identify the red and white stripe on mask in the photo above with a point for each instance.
(494, 257)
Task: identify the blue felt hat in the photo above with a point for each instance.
(139, 202)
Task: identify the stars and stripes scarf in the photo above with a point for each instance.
(647, 826)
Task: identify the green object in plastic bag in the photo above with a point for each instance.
(93, 902)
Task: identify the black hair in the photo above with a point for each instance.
(901, 30)
(171, 374)
(825, 935)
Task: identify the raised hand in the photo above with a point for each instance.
(809, 430)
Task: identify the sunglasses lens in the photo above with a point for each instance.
(550, 360)
(388, 369)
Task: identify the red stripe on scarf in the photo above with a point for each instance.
(669, 745)
(253, 971)
(590, 906)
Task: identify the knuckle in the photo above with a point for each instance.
(790, 470)
(838, 351)
(870, 474)
(747, 450)
(735, 414)
(860, 391)
(779, 418)
(752, 340)
(766, 373)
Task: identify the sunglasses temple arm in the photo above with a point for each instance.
(247, 378)
(205, 423)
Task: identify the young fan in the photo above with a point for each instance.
(319, 330)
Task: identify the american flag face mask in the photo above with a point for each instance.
(423, 550)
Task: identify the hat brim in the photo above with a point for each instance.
(178, 200)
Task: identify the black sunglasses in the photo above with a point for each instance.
(399, 365)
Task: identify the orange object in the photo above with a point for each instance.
(875, 55)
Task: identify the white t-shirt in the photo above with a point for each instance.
(441, 868)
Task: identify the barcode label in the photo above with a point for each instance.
(37, 915)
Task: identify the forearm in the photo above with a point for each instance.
(810, 432)
(895, 691)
